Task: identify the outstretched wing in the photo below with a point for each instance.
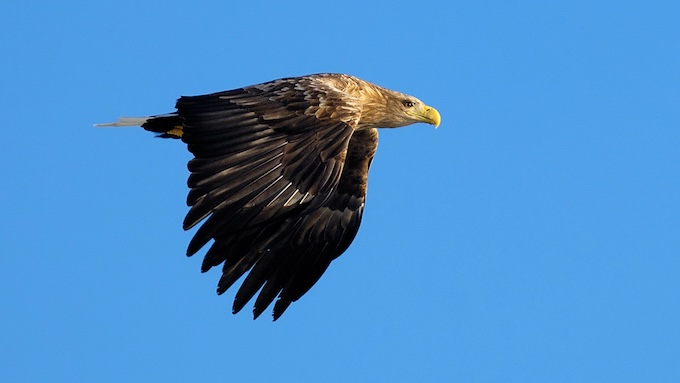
(275, 184)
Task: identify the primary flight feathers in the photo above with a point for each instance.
(279, 175)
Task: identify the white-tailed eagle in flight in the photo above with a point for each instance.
(279, 176)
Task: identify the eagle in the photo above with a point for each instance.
(279, 176)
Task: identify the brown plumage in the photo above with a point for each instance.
(280, 174)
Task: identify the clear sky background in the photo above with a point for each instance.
(533, 237)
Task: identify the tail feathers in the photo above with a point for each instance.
(166, 125)
(126, 121)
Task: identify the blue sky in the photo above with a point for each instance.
(533, 237)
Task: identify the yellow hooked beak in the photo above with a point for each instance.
(428, 115)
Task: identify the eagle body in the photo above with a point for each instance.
(279, 176)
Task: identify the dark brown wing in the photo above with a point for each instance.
(268, 179)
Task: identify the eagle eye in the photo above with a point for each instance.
(408, 103)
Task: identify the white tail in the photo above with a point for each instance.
(126, 121)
